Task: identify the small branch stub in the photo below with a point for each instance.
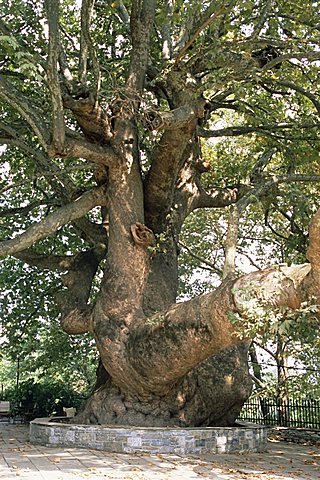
(141, 234)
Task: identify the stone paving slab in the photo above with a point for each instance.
(21, 460)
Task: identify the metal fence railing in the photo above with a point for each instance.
(296, 413)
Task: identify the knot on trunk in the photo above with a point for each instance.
(141, 234)
(77, 321)
(154, 121)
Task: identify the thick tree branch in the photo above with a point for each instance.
(49, 262)
(92, 119)
(99, 154)
(215, 197)
(86, 46)
(54, 221)
(166, 31)
(175, 148)
(160, 181)
(177, 118)
(186, 334)
(64, 67)
(123, 13)
(230, 247)
(86, 14)
(141, 24)
(313, 253)
(73, 302)
(282, 285)
(186, 337)
(261, 164)
(58, 128)
(273, 287)
(78, 321)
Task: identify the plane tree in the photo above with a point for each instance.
(105, 111)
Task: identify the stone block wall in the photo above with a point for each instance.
(180, 441)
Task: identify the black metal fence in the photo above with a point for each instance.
(291, 413)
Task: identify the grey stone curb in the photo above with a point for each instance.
(244, 437)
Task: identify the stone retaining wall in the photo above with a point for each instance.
(242, 438)
(304, 436)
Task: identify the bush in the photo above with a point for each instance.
(44, 398)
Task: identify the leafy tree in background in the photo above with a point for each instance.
(104, 113)
(38, 360)
(289, 342)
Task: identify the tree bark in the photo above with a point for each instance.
(212, 394)
(168, 368)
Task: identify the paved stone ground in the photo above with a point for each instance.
(20, 459)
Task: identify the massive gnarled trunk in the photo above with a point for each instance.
(162, 362)
(186, 364)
